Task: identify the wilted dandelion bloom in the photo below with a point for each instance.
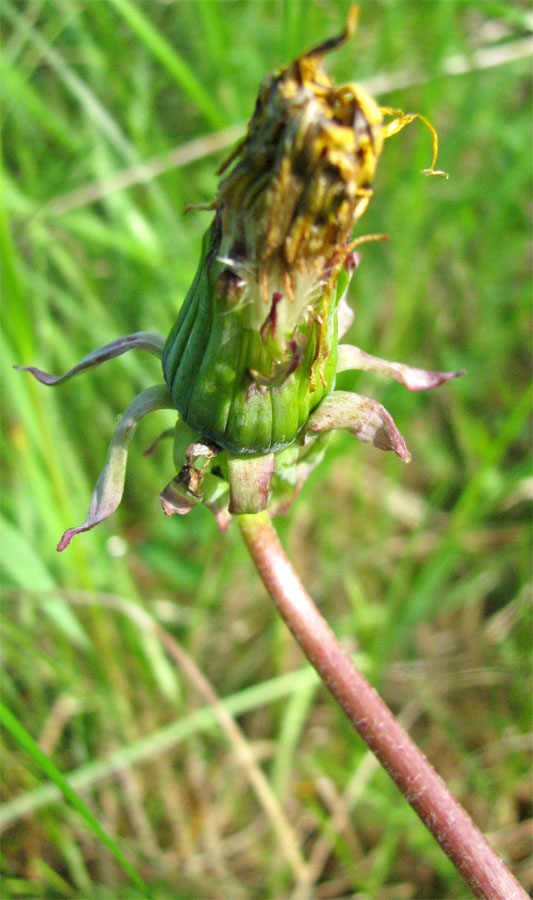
(251, 361)
(254, 349)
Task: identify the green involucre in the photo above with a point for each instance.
(207, 361)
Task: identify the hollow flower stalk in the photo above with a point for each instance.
(251, 362)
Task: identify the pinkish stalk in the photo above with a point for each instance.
(481, 867)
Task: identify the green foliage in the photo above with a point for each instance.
(422, 569)
(26, 743)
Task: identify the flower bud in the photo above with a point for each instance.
(250, 363)
(253, 351)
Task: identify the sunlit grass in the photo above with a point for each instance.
(423, 570)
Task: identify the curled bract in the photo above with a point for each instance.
(232, 484)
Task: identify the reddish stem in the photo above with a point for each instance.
(443, 815)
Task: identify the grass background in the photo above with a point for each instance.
(421, 570)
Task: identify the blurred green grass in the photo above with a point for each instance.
(423, 570)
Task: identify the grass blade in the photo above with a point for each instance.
(170, 59)
(34, 575)
(168, 737)
(27, 743)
